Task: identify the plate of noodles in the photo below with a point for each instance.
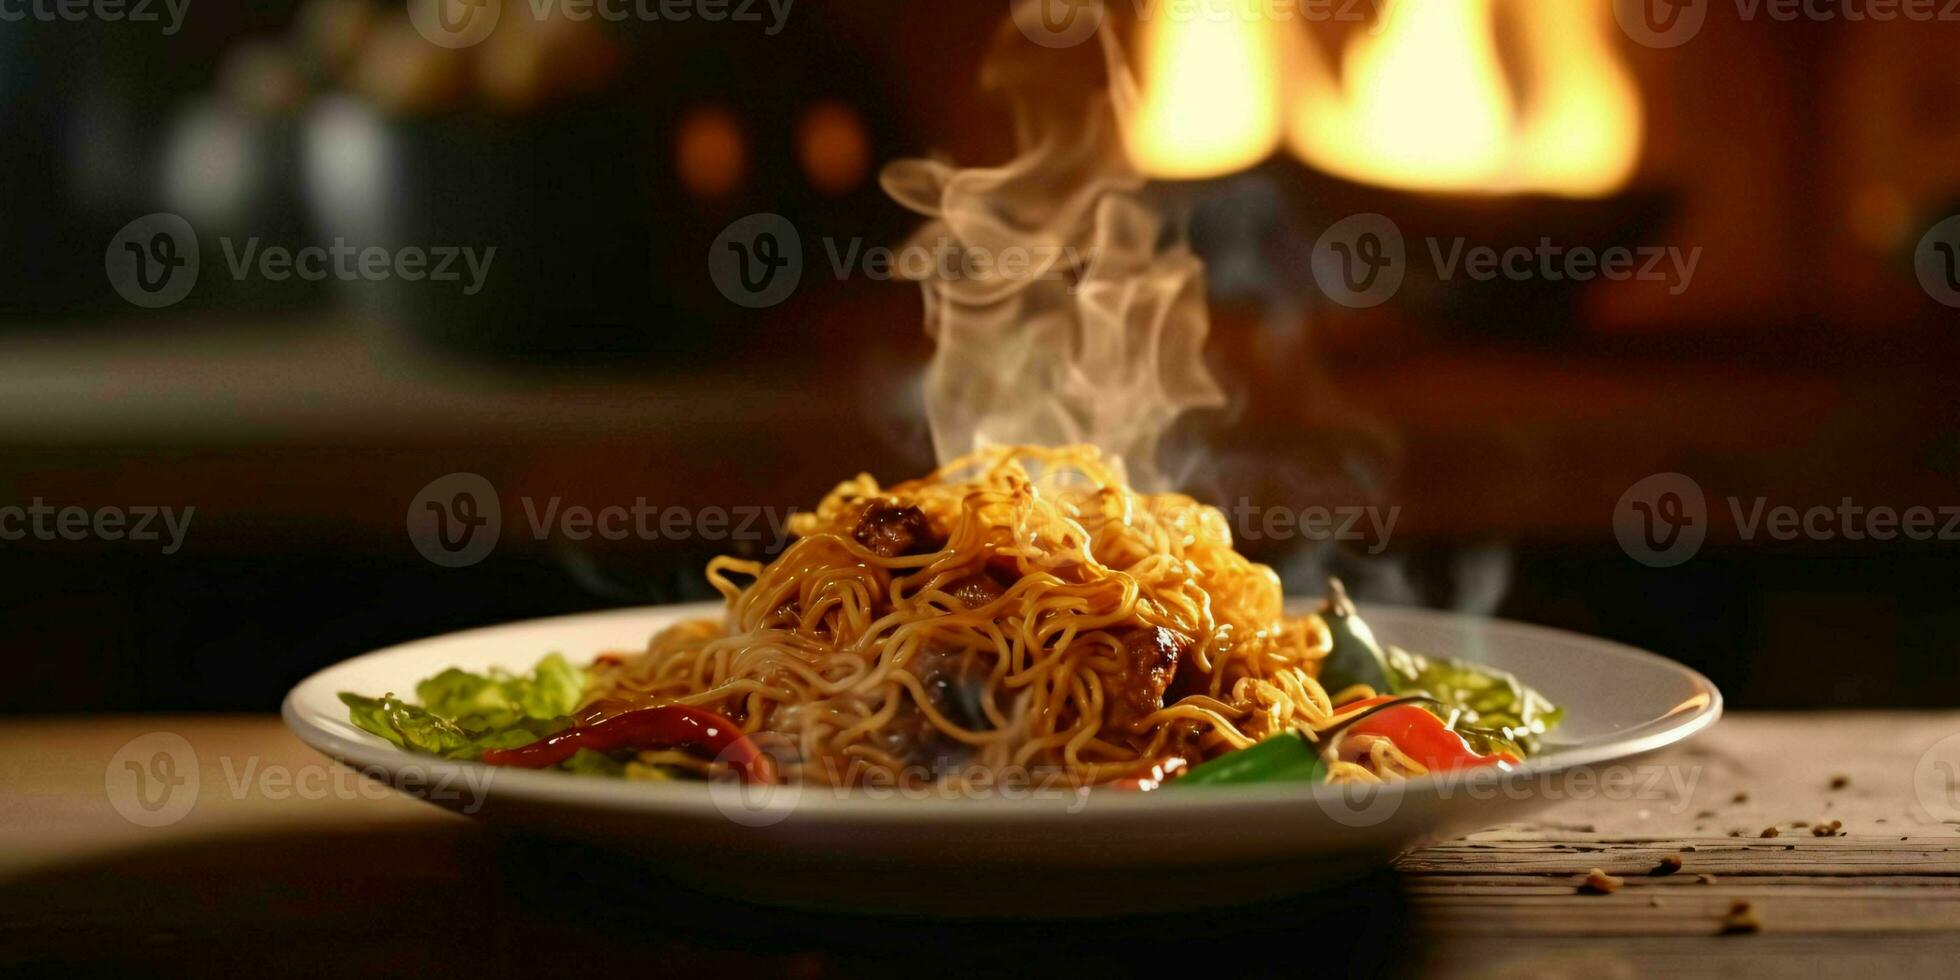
(1013, 687)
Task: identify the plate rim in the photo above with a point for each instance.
(689, 800)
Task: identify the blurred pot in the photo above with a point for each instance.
(548, 208)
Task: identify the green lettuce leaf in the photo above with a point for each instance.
(1477, 699)
(499, 699)
(404, 724)
(462, 714)
(555, 690)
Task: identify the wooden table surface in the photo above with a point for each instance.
(286, 865)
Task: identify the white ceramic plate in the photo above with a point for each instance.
(1036, 853)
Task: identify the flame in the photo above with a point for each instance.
(1421, 101)
(1209, 106)
(1581, 134)
(1423, 104)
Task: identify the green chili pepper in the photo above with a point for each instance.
(1477, 700)
(1283, 758)
(1355, 656)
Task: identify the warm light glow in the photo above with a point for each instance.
(1424, 102)
(711, 153)
(1582, 130)
(834, 148)
(1210, 104)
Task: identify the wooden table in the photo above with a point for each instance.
(288, 866)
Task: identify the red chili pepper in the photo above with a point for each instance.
(648, 728)
(1423, 737)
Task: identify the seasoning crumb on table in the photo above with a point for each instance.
(1600, 883)
(1843, 892)
(1741, 919)
(1669, 864)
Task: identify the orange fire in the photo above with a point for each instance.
(1211, 105)
(1420, 99)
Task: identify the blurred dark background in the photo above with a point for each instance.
(1805, 363)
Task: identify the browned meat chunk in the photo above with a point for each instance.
(1151, 658)
(890, 529)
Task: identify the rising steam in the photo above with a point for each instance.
(1100, 338)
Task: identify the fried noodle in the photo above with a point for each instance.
(1018, 609)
